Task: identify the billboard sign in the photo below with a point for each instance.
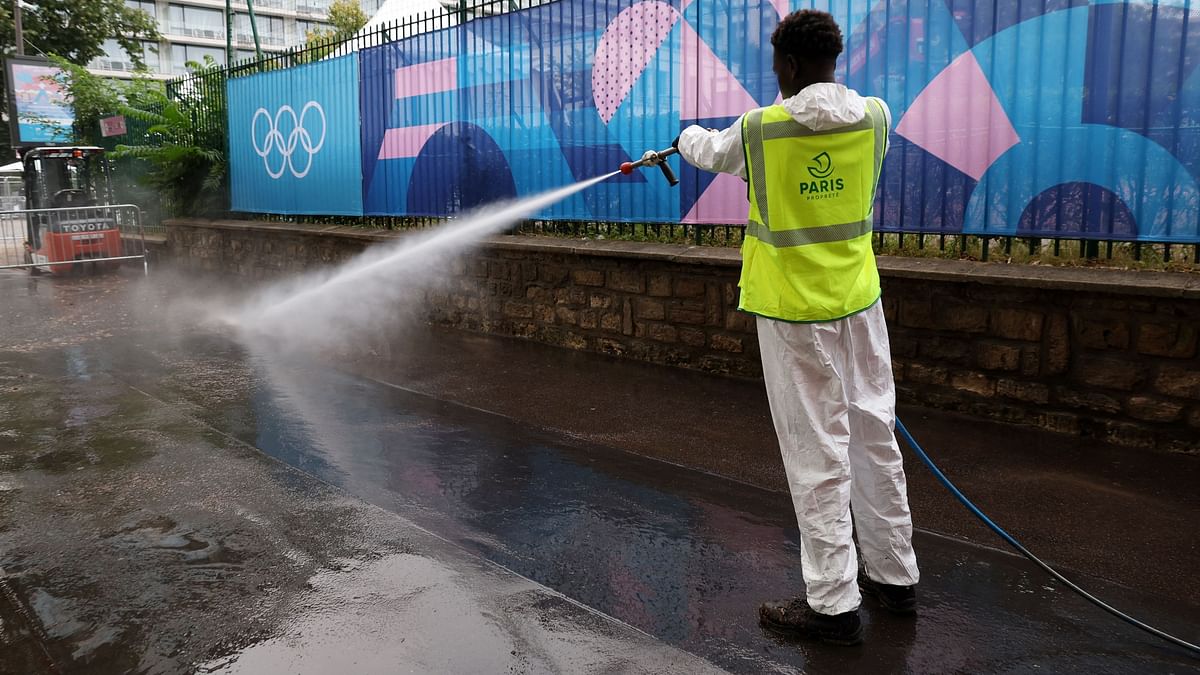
(39, 107)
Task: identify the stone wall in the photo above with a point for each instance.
(1105, 354)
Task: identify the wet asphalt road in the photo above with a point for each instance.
(174, 500)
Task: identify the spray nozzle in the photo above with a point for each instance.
(654, 158)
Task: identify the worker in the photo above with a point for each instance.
(809, 274)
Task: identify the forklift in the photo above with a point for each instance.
(64, 186)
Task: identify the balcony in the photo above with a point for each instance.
(265, 39)
(198, 32)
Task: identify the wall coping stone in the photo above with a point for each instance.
(1088, 279)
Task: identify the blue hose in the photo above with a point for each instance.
(912, 443)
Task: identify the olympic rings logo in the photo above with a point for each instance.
(300, 138)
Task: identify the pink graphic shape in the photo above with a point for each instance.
(783, 7)
(406, 141)
(624, 51)
(723, 202)
(709, 89)
(958, 119)
(427, 78)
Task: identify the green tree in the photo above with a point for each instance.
(76, 29)
(94, 97)
(183, 145)
(346, 17)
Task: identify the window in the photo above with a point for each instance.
(115, 57)
(270, 29)
(181, 54)
(313, 6)
(150, 55)
(146, 6)
(196, 22)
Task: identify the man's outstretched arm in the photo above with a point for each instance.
(716, 151)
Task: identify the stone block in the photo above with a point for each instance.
(539, 294)
(891, 309)
(588, 319)
(693, 317)
(659, 285)
(1088, 400)
(610, 321)
(647, 308)
(1109, 373)
(627, 317)
(1101, 333)
(961, 318)
(916, 313)
(1058, 345)
(1173, 340)
(1127, 434)
(1030, 361)
(726, 343)
(575, 341)
(662, 332)
(609, 346)
(1194, 417)
(692, 337)
(714, 309)
(566, 315)
(924, 374)
(1179, 382)
(1030, 392)
(544, 313)
(1153, 409)
(689, 288)
(975, 383)
(553, 275)
(518, 310)
(1017, 324)
(993, 356)
(904, 345)
(587, 277)
(740, 321)
(1060, 422)
(732, 295)
(627, 281)
(599, 301)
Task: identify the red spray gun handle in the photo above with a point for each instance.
(652, 158)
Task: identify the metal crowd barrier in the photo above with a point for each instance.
(68, 240)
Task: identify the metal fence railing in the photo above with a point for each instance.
(926, 202)
(68, 240)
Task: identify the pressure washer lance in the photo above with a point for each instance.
(654, 158)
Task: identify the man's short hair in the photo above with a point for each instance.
(808, 34)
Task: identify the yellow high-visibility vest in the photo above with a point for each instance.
(807, 253)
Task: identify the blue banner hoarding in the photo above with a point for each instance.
(294, 140)
(1052, 119)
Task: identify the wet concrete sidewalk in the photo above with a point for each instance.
(170, 500)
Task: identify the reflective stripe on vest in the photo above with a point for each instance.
(807, 254)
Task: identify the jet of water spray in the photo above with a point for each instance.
(331, 305)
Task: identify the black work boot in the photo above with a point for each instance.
(795, 617)
(895, 599)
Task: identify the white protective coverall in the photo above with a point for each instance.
(833, 403)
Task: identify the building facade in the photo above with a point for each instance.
(194, 29)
